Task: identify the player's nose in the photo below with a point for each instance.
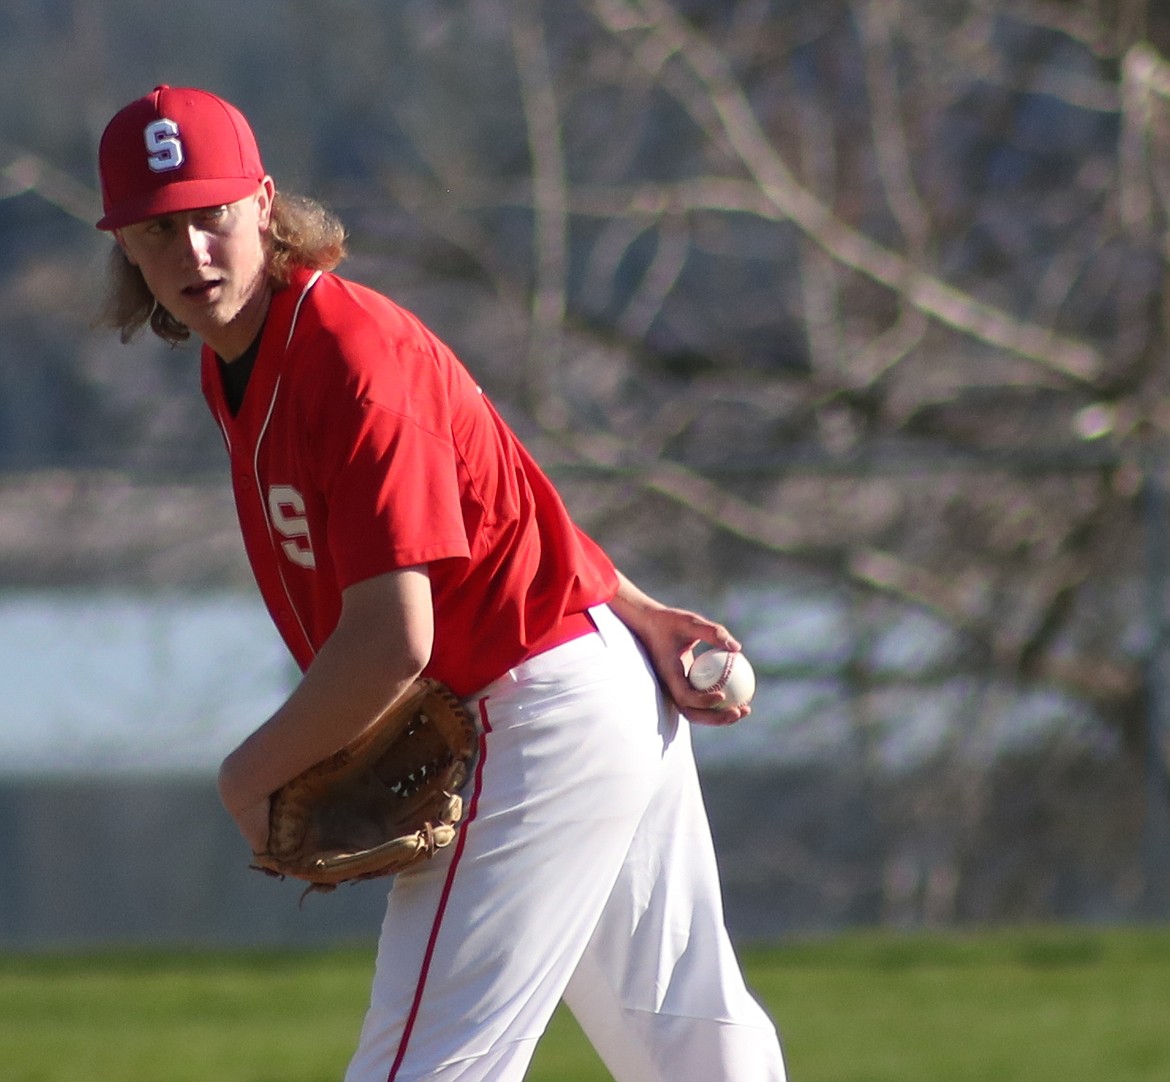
(196, 246)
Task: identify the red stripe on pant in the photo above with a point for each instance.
(416, 1005)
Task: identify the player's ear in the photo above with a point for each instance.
(119, 240)
(264, 196)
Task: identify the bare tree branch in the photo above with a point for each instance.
(550, 207)
(28, 172)
(716, 88)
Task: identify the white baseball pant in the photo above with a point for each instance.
(585, 870)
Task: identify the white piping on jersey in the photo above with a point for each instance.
(256, 463)
(297, 310)
(219, 417)
(221, 420)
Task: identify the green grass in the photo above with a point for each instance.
(1053, 1005)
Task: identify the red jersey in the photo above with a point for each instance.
(363, 446)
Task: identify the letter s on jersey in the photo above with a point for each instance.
(286, 509)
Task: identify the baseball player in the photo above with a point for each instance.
(396, 527)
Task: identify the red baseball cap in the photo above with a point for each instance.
(175, 149)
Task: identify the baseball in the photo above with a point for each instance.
(720, 670)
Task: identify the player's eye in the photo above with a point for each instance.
(212, 216)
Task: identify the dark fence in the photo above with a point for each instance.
(156, 861)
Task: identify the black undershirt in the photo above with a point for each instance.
(235, 376)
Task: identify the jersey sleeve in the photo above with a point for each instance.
(385, 463)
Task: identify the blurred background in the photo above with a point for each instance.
(843, 322)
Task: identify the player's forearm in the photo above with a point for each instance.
(347, 687)
(380, 645)
(633, 606)
(650, 619)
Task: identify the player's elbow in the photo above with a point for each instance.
(414, 656)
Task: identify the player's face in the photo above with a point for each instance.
(207, 267)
